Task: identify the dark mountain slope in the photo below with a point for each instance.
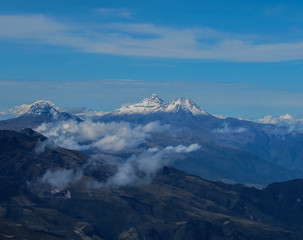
(174, 206)
(27, 154)
(215, 161)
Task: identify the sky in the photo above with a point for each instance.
(234, 58)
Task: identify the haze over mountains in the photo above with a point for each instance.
(229, 149)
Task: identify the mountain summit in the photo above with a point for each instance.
(147, 105)
(40, 107)
(43, 108)
(154, 98)
(154, 104)
(186, 105)
(32, 115)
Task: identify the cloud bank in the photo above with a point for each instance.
(144, 39)
(287, 122)
(88, 135)
(137, 169)
(140, 169)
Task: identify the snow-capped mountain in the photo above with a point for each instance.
(185, 105)
(147, 105)
(154, 104)
(42, 107)
(39, 107)
(32, 115)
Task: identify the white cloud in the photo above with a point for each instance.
(97, 135)
(277, 120)
(61, 178)
(287, 123)
(182, 148)
(19, 110)
(5, 115)
(84, 112)
(146, 40)
(42, 146)
(135, 170)
(226, 129)
(140, 169)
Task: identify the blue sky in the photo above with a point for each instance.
(236, 58)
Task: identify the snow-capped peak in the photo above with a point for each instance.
(185, 104)
(42, 108)
(154, 98)
(154, 104)
(147, 105)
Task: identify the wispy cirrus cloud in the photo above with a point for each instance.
(114, 12)
(29, 26)
(145, 39)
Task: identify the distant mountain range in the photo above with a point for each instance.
(44, 197)
(231, 150)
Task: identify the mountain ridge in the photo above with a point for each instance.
(154, 104)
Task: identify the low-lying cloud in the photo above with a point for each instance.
(88, 135)
(138, 169)
(287, 123)
(83, 112)
(41, 146)
(227, 130)
(60, 179)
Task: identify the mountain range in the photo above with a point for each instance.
(232, 150)
(37, 201)
(249, 148)
(154, 104)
